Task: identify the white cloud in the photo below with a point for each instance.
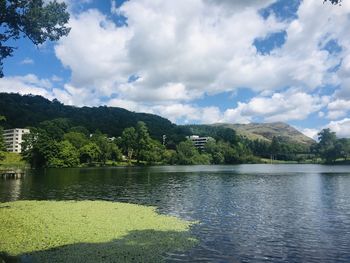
(290, 105)
(28, 84)
(165, 43)
(182, 50)
(174, 52)
(311, 133)
(239, 5)
(342, 127)
(27, 61)
(95, 52)
(338, 109)
(55, 78)
(185, 113)
(31, 84)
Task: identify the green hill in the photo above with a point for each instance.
(266, 131)
(29, 111)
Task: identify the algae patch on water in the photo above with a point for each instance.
(89, 231)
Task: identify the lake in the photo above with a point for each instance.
(246, 213)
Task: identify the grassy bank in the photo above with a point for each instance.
(89, 231)
(12, 160)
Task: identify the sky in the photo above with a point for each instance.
(198, 61)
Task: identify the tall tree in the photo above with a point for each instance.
(128, 142)
(143, 140)
(326, 146)
(33, 19)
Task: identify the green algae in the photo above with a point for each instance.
(89, 231)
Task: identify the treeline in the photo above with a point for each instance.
(31, 110)
(57, 143)
(279, 149)
(330, 148)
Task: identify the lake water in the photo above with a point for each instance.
(246, 213)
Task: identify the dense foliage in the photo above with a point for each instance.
(66, 136)
(330, 148)
(57, 143)
(29, 110)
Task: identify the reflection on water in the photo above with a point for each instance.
(247, 213)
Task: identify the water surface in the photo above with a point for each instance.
(247, 213)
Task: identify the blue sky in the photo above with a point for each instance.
(199, 61)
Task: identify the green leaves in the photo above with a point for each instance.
(330, 147)
(32, 19)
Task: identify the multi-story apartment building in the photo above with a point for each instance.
(199, 142)
(13, 139)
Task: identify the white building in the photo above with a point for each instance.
(199, 142)
(13, 139)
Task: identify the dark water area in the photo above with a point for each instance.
(246, 213)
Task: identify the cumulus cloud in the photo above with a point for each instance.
(342, 127)
(338, 108)
(31, 84)
(181, 50)
(185, 113)
(171, 53)
(165, 43)
(309, 132)
(28, 84)
(286, 106)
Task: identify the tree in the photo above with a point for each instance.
(67, 156)
(38, 148)
(32, 19)
(188, 154)
(89, 153)
(143, 140)
(128, 142)
(215, 151)
(114, 152)
(155, 152)
(342, 148)
(109, 150)
(55, 128)
(76, 138)
(326, 146)
(227, 135)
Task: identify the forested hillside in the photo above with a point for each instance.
(29, 111)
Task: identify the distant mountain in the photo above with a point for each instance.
(266, 131)
(29, 110)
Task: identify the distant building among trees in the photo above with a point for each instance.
(13, 139)
(199, 142)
